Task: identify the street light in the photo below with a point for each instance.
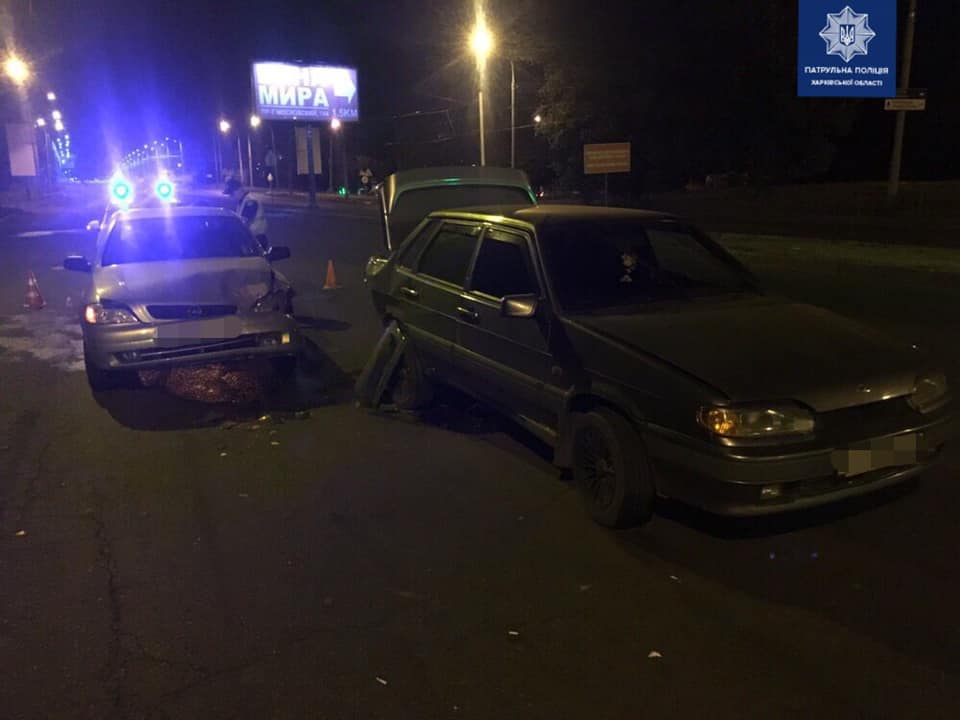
(41, 122)
(51, 96)
(537, 119)
(58, 126)
(56, 115)
(481, 42)
(224, 126)
(17, 70)
(254, 121)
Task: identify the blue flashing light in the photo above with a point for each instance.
(164, 190)
(121, 191)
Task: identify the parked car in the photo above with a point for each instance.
(652, 362)
(182, 285)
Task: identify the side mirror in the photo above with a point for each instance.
(278, 252)
(77, 263)
(519, 306)
(93, 226)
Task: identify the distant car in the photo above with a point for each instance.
(180, 285)
(649, 359)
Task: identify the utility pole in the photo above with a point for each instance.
(513, 115)
(330, 167)
(312, 181)
(483, 145)
(893, 187)
(250, 159)
(240, 158)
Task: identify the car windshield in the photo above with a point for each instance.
(177, 238)
(602, 265)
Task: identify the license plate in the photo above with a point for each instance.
(876, 454)
(222, 328)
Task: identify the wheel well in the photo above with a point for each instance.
(562, 456)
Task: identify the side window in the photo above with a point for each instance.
(503, 266)
(408, 256)
(448, 255)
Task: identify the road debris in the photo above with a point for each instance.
(243, 495)
(372, 384)
(675, 578)
(584, 588)
(773, 556)
(513, 633)
(381, 680)
(654, 654)
(20, 533)
(223, 454)
(274, 442)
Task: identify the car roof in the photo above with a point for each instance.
(538, 215)
(139, 213)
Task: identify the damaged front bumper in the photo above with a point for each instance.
(151, 345)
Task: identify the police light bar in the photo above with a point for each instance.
(164, 189)
(121, 190)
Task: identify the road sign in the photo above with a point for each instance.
(603, 158)
(847, 50)
(288, 91)
(905, 103)
(22, 149)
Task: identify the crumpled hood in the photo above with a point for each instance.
(761, 349)
(215, 281)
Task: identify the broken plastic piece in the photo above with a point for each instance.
(381, 680)
(383, 361)
(654, 654)
(20, 533)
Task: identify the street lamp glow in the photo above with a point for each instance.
(335, 124)
(58, 126)
(254, 121)
(56, 115)
(41, 122)
(224, 126)
(537, 119)
(51, 96)
(17, 70)
(481, 41)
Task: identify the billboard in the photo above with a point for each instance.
(603, 158)
(22, 148)
(847, 50)
(288, 91)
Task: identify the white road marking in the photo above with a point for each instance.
(42, 335)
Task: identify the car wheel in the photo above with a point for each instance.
(101, 380)
(409, 388)
(285, 367)
(610, 468)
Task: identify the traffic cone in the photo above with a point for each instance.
(33, 300)
(331, 283)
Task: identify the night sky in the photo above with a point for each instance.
(129, 72)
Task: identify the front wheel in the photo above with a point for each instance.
(610, 468)
(102, 380)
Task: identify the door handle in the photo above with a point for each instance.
(409, 292)
(468, 314)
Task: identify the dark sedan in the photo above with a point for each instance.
(649, 359)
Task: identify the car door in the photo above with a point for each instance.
(428, 292)
(506, 360)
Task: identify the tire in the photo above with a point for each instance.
(610, 469)
(285, 367)
(409, 388)
(103, 380)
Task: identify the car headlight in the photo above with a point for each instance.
(275, 301)
(99, 314)
(929, 392)
(756, 421)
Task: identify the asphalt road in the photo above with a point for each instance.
(165, 559)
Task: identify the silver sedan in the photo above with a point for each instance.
(182, 285)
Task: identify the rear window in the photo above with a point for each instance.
(177, 238)
(414, 205)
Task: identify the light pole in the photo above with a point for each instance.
(334, 128)
(893, 185)
(254, 124)
(481, 42)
